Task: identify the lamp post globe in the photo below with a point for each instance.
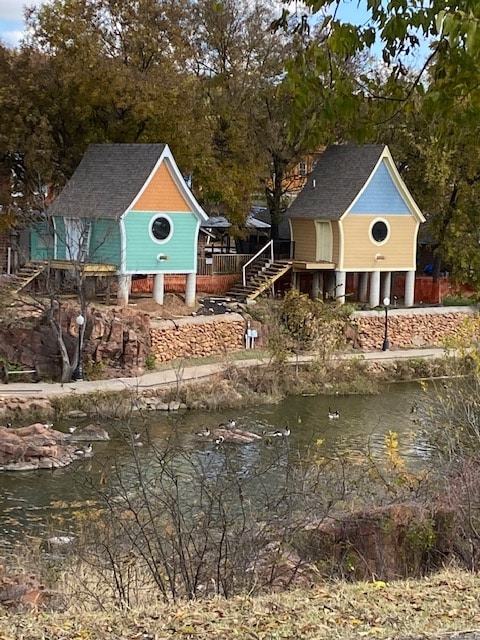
(78, 371)
(386, 341)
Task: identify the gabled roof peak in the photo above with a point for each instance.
(339, 174)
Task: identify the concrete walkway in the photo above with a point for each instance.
(169, 377)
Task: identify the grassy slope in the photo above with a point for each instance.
(428, 608)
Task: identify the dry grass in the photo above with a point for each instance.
(435, 607)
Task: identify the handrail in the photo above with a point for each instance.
(244, 268)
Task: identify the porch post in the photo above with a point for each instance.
(409, 288)
(386, 284)
(190, 289)
(294, 279)
(340, 282)
(124, 286)
(363, 286)
(158, 287)
(374, 298)
(315, 284)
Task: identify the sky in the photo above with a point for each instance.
(11, 21)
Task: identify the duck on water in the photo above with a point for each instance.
(279, 433)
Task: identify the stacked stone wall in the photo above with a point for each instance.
(197, 337)
(415, 328)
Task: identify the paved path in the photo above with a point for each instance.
(168, 377)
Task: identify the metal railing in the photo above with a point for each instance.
(263, 250)
(222, 263)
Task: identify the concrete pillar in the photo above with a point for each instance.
(294, 280)
(374, 298)
(340, 282)
(315, 285)
(190, 289)
(124, 286)
(386, 285)
(158, 287)
(363, 286)
(409, 288)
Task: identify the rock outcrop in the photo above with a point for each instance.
(117, 340)
(37, 446)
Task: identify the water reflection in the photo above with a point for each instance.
(51, 502)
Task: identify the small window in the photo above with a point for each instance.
(161, 228)
(379, 231)
(302, 169)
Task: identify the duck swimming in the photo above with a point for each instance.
(333, 415)
(204, 433)
(230, 424)
(84, 451)
(279, 433)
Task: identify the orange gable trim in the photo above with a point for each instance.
(161, 194)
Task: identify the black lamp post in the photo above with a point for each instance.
(78, 371)
(386, 341)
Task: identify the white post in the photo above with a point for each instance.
(190, 289)
(340, 282)
(315, 285)
(409, 288)
(294, 279)
(123, 293)
(363, 286)
(386, 284)
(374, 298)
(158, 287)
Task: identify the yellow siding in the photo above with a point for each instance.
(161, 194)
(304, 236)
(399, 252)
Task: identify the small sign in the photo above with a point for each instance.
(209, 260)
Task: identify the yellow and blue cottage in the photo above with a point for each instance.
(355, 216)
(127, 209)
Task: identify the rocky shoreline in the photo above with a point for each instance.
(40, 446)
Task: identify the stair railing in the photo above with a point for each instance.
(268, 246)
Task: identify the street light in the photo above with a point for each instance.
(386, 342)
(78, 371)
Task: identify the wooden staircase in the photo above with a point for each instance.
(26, 274)
(261, 277)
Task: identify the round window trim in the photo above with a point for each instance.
(161, 229)
(379, 231)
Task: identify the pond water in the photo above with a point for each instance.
(45, 503)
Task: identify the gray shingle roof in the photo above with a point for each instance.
(106, 181)
(339, 175)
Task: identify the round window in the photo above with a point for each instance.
(379, 231)
(161, 228)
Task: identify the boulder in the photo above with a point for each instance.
(90, 433)
(36, 446)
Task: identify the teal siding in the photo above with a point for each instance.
(105, 246)
(142, 250)
(382, 196)
(60, 233)
(41, 241)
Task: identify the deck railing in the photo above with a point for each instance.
(265, 252)
(222, 263)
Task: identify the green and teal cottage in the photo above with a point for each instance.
(126, 210)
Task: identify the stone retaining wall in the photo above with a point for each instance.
(197, 336)
(410, 328)
(212, 335)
